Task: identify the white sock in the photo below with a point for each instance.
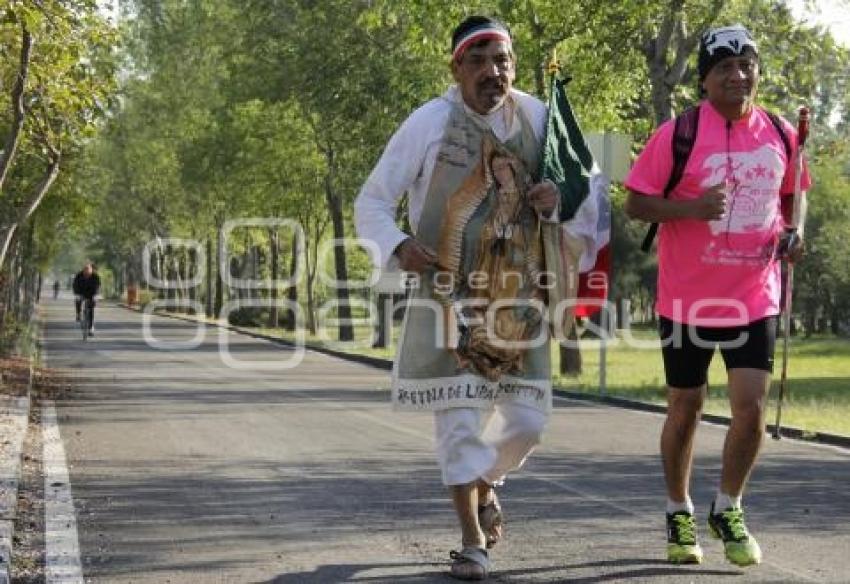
(723, 501)
(686, 505)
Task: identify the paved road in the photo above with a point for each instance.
(185, 470)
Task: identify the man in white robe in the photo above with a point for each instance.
(484, 430)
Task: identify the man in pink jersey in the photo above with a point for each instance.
(722, 229)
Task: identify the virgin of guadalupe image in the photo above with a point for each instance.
(475, 331)
(495, 264)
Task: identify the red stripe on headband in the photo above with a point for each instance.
(491, 34)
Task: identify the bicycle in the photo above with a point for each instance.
(87, 316)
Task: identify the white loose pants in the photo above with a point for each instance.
(473, 443)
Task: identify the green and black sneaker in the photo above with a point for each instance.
(682, 546)
(742, 549)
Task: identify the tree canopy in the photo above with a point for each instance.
(190, 113)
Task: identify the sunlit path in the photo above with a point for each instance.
(184, 470)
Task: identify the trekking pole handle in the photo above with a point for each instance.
(802, 126)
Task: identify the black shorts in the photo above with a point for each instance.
(687, 350)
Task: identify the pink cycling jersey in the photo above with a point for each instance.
(723, 272)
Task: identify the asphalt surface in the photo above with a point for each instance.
(186, 469)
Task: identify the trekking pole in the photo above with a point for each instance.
(802, 134)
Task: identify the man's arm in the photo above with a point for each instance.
(711, 205)
(393, 175)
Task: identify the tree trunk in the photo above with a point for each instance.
(28, 275)
(311, 307)
(346, 331)
(219, 282)
(188, 270)
(162, 271)
(18, 112)
(672, 36)
(119, 280)
(311, 276)
(209, 299)
(539, 63)
(290, 321)
(173, 269)
(660, 91)
(7, 231)
(274, 245)
(383, 326)
(571, 356)
(253, 266)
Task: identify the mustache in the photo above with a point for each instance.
(492, 84)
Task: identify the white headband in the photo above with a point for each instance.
(732, 38)
(485, 31)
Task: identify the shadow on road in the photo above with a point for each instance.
(654, 567)
(349, 573)
(812, 483)
(149, 514)
(352, 573)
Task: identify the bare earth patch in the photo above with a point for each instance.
(28, 540)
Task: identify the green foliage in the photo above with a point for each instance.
(280, 108)
(819, 367)
(54, 97)
(822, 280)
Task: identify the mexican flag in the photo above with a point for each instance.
(585, 204)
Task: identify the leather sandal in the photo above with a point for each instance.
(471, 563)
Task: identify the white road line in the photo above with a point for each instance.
(62, 555)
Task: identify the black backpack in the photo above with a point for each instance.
(684, 136)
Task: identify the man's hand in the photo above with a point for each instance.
(544, 197)
(790, 247)
(415, 257)
(711, 205)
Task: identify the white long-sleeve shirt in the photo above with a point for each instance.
(408, 162)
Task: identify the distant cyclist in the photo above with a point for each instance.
(86, 286)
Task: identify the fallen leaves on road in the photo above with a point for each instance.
(47, 383)
(14, 376)
(50, 383)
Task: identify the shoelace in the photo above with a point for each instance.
(686, 529)
(735, 520)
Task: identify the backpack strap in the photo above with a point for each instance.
(777, 123)
(684, 136)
